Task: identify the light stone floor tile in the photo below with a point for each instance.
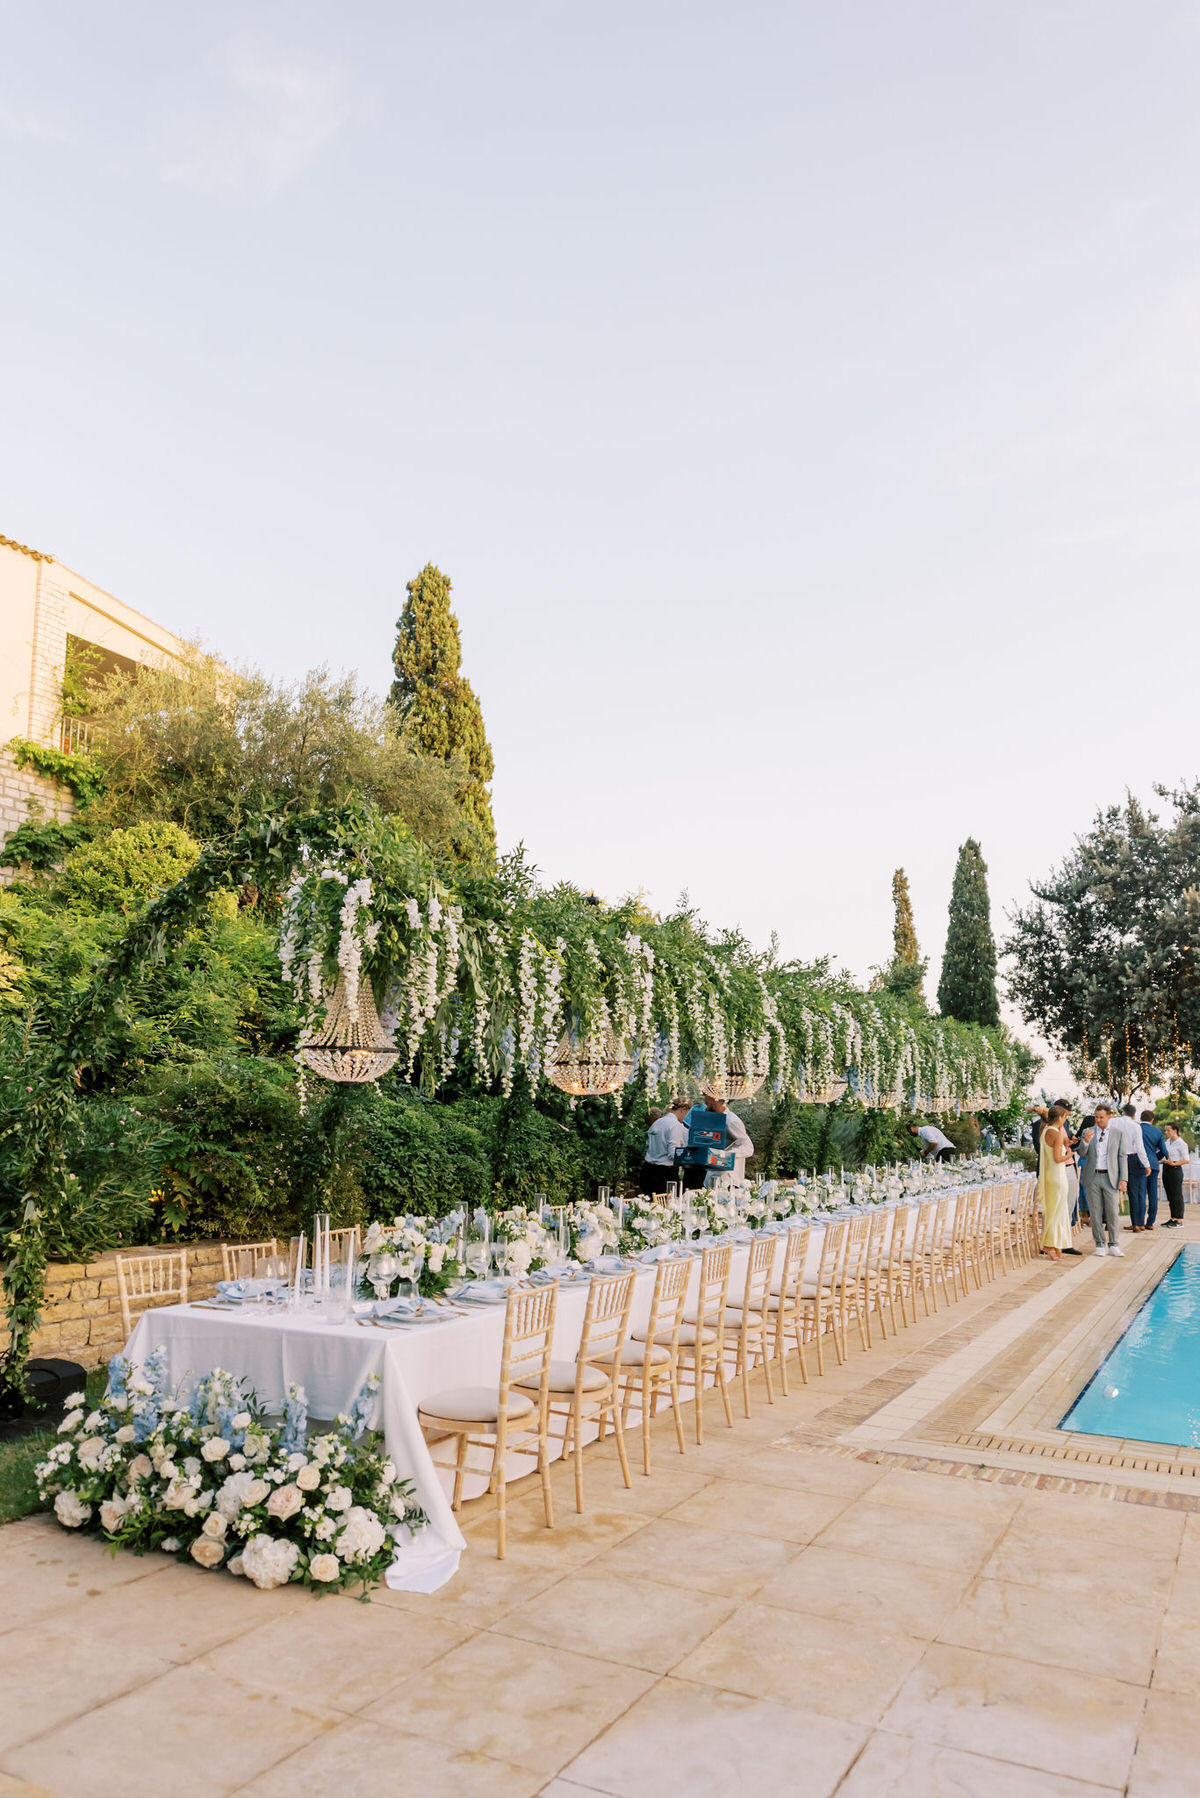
(685, 1741)
(890, 1532)
(1177, 1668)
(1083, 1564)
(725, 1562)
(894, 1596)
(573, 1540)
(945, 1495)
(43, 1566)
(896, 1767)
(514, 1700)
(839, 1475)
(179, 1613)
(190, 1734)
(1167, 1762)
(1093, 1632)
(21, 1788)
(51, 1673)
(483, 1590)
(566, 1788)
(1119, 1524)
(362, 1759)
(785, 1514)
(834, 1668)
(1073, 1724)
(634, 1621)
(673, 1478)
(336, 1653)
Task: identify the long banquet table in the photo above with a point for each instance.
(272, 1348)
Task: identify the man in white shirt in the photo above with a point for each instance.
(665, 1135)
(1138, 1163)
(1105, 1167)
(737, 1138)
(936, 1146)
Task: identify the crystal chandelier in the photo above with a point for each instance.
(589, 1068)
(738, 1082)
(351, 1044)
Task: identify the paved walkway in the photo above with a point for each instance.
(757, 1618)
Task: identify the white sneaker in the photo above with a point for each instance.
(1114, 1250)
(1101, 1250)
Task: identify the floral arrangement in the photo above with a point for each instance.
(528, 1244)
(209, 1481)
(593, 1231)
(423, 1250)
(493, 977)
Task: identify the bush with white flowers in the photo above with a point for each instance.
(206, 1479)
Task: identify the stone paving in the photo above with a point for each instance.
(762, 1615)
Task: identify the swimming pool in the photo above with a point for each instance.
(1147, 1388)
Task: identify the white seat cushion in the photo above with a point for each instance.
(633, 1354)
(687, 1335)
(475, 1404)
(562, 1378)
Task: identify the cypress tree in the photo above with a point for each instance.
(967, 988)
(904, 932)
(436, 705)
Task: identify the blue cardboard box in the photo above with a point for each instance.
(706, 1128)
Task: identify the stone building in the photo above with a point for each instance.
(42, 606)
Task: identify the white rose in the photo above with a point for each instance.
(193, 1464)
(71, 1422)
(168, 1469)
(323, 1449)
(362, 1535)
(325, 1568)
(387, 1475)
(76, 1402)
(242, 1421)
(373, 1239)
(71, 1511)
(339, 1498)
(237, 1462)
(269, 1562)
(94, 1421)
(207, 1553)
(215, 1526)
(308, 1479)
(284, 1502)
(111, 1513)
(326, 1529)
(296, 1462)
(124, 1434)
(519, 1256)
(177, 1496)
(255, 1493)
(90, 1451)
(234, 1566)
(215, 1449)
(399, 1504)
(435, 1257)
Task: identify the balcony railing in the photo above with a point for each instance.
(76, 736)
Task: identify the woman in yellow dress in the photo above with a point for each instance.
(1054, 1189)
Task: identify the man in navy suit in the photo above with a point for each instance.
(1156, 1150)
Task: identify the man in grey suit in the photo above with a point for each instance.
(1105, 1171)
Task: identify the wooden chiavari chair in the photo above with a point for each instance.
(505, 1419)
(231, 1250)
(145, 1281)
(650, 1359)
(746, 1323)
(785, 1314)
(587, 1389)
(818, 1300)
(702, 1341)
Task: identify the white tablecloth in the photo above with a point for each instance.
(271, 1349)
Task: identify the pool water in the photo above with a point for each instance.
(1147, 1388)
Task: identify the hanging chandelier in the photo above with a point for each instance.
(738, 1082)
(351, 1044)
(828, 1094)
(588, 1069)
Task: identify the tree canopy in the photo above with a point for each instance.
(967, 987)
(1104, 959)
(435, 703)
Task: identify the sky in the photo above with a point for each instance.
(802, 399)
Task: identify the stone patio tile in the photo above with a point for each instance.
(1177, 1668)
(895, 1596)
(483, 1589)
(566, 1788)
(513, 1700)
(1168, 1750)
(896, 1767)
(834, 1668)
(1077, 1725)
(1119, 1524)
(1083, 1564)
(43, 1566)
(361, 1759)
(180, 1612)
(673, 1478)
(686, 1741)
(52, 1672)
(891, 1532)
(573, 1540)
(784, 1514)
(1093, 1632)
(21, 1788)
(839, 1475)
(336, 1653)
(634, 1621)
(190, 1734)
(726, 1563)
(945, 1495)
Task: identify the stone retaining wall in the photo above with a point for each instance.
(81, 1320)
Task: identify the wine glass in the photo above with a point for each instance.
(381, 1271)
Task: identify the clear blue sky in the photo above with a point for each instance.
(802, 398)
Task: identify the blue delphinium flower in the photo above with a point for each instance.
(295, 1421)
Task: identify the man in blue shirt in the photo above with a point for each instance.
(1156, 1151)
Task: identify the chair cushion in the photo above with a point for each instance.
(633, 1354)
(562, 1378)
(687, 1335)
(475, 1404)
